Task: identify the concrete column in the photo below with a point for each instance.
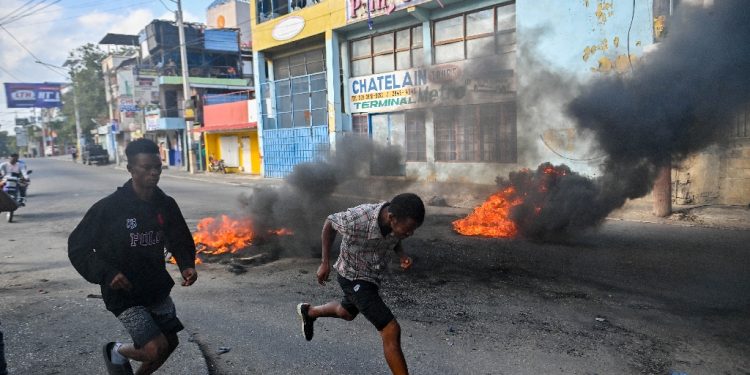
(663, 191)
(333, 66)
(259, 72)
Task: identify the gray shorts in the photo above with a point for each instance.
(144, 323)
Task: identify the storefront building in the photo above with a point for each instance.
(230, 132)
(439, 79)
(293, 53)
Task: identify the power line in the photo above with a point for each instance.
(9, 73)
(15, 10)
(26, 49)
(30, 11)
(75, 17)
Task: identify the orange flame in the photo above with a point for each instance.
(491, 218)
(223, 235)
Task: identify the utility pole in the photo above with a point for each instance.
(78, 119)
(190, 159)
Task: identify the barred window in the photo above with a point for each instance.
(416, 148)
(741, 127)
(475, 34)
(300, 88)
(476, 133)
(360, 124)
(398, 50)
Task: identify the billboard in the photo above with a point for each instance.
(33, 95)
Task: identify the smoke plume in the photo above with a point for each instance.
(678, 100)
(303, 202)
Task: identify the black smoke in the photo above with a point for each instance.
(677, 100)
(306, 198)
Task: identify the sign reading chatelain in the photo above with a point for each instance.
(447, 84)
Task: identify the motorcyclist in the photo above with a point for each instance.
(18, 168)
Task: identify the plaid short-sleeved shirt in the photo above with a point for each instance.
(365, 253)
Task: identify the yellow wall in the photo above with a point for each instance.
(213, 148)
(326, 16)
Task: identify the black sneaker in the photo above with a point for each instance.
(307, 321)
(112, 368)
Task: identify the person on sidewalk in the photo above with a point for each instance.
(120, 245)
(370, 232)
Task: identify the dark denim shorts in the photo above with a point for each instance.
(362, 296)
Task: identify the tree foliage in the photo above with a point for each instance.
(85, 69)
(7, 144)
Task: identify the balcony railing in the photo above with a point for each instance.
(198, 71)
(270, 9)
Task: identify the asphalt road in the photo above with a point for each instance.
(626, 298)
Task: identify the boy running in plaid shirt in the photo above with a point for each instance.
(370, 232)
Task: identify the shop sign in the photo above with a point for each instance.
(127, 105)
(438, 85)
(152, 119)
(360, 10)
(288, 28)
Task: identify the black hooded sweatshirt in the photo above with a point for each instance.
(122, 233)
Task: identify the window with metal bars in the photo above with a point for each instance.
(360, 124)
(741, 127)
(476, 133)
(475, 34)
(396, 50)
(300, 90)
(416, 147)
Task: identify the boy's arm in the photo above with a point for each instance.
(81, 245)
(180, 243)
(327, 238)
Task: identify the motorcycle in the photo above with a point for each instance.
(216, 165)
(12, 199)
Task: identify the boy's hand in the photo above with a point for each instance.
(120, 282)
(189, 275)
(323, 273)
(406, 262)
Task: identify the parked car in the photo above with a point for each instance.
(94, 154)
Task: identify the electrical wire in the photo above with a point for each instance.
(31, 11)
(566, 157)
(9, 73)
(15, 10)
(26, 49)
(78, 16)
(632, 16)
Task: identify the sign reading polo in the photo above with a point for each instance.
(288, 28)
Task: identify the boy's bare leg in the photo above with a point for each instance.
(153, 354)
(329, 310)
(391, 335)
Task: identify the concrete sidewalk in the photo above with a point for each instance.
(460, 199)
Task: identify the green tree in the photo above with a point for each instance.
(7, 144)
(85, 69)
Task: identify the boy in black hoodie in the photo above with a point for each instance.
(120, 245)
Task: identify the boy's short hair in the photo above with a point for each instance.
(407, 205)
(140, 146)
(14, 155)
